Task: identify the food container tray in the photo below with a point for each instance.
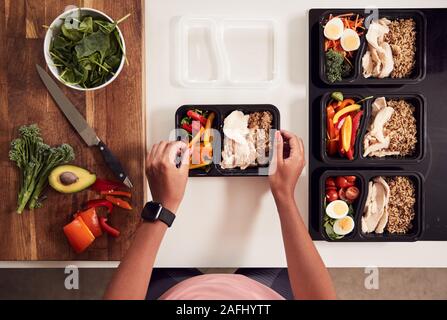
(419, 103)
(363, 177)
(222, 111)
(357, 78)
(226, 52)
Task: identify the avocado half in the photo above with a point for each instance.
(70, 179)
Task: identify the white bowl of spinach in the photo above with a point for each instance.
(84, 49)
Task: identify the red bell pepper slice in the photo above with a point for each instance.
(355, 127)
(100, 203)
(108, 229)
(117, 193)
(187, 127)
(195, 116)
(91, 220)
(106, 185)
(79, 235)
(119, 202)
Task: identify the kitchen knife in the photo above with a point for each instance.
(81, 126)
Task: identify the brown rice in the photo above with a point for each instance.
(402, 39)
(402, 128)
(401, 205)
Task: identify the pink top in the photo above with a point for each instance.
(220, 287)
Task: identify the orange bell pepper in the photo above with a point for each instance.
(79, 235)
(90, 218)
(344, 103)
(119, 202)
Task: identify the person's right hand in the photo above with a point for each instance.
(286, 169)
(167, 181)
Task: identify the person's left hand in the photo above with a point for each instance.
(167, 182)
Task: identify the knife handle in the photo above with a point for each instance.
(112, 161)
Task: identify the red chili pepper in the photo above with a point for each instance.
(195, 116)
(100, 203)
(355, 127)
(117, 193)
(187, 127)
(106, 185)
(119, 202)
(108, 229)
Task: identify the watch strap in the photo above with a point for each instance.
(166, 216)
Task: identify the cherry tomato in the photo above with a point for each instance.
(330, 182)
(331, 188)
(342, 194)
(352, 193)
(341, 182)
(351, 179)
(331, 195)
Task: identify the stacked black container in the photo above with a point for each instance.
(323, 166)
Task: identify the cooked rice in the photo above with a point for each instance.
(402, 39)
(401, 128)
(401, 205)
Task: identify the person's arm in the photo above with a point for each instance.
(167, 184)
(308, 275)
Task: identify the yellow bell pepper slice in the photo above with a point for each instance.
(348, 109)
(346, 133)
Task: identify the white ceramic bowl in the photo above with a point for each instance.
(55, 30)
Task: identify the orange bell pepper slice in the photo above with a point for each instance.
(119, 202)
(90, 218)
(79, 235)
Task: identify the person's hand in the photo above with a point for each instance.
(167, 181)
(285, 169)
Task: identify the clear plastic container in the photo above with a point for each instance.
(216, 52)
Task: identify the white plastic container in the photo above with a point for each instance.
(217, 52)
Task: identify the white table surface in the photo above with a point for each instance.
(232, 222)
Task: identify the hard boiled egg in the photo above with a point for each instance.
(333, 29)
(337, 209)
(350, 40)
(344, 226)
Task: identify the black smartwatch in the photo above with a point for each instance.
(154, 211)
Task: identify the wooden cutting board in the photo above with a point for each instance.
(116, 114)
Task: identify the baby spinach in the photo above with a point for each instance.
(87, 51)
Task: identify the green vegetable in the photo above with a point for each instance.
(35, 159)
(88, 51)
(337, 67)
(337, 95)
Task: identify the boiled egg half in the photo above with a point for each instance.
(350, 40)
(333, 29)
(337, 209)
(344, 226)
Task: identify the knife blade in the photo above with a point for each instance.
(82, 127)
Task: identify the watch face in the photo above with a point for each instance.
(152, 211)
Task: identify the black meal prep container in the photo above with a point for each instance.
(357, 78)
(363, 178)
(337, 160)
(423, 90)
(222, 111)
(416, 100)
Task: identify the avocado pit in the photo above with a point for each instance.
(67, 178)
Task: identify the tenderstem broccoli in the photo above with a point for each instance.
(35, 160)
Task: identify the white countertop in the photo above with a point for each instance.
(232, 222)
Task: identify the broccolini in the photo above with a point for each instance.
(35, 159)
(337, 67)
